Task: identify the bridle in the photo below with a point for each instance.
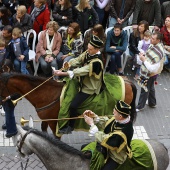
(22, 141)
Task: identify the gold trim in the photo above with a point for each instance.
(123, 88)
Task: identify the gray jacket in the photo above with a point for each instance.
(154, 14)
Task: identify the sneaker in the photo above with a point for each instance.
(4, 126)
(9, 135)
(133, 68)
(66, 130)
(138, 110)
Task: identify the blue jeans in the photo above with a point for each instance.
(167, 62)
(20, 66)
(113, 21)
(115, 61)
(9, 117)
(60, 61)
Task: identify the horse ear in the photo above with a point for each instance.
(31, 122)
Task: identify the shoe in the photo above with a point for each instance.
(120, 74)
(4, 126)
(9, 135)
(66, 130)
(138, 110)
(153, 106)
(133, 68)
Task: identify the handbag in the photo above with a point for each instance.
(65, 49)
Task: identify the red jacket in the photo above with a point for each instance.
(41, 20)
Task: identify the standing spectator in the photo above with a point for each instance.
(165, 10)
(86, 15)
(148, 10)
(72, 43)
(4, 17)
(40, 15)
(21, 19)
(116, 43)
(99, 6)
(165, 30)
(62, 12)
(48, 47)
(120, 11)
(152, 64)
(18, 51)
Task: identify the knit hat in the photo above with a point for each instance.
(123, 108)
(96, 42)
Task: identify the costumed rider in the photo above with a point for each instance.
(112, 144)
(89, 68)
(10, 124)
(152, 61)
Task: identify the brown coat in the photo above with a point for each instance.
(42, 44)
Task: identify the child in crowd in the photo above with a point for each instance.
(143, 45)
(18, 51)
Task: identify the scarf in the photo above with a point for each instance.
(36, 11)
(15, 42)
(49, 44)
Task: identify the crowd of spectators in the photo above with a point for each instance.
(82, 19)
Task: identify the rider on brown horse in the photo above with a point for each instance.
(91, 75)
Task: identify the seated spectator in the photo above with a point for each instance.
(72, 43)
(165, 30)
(48, 48)
(97, 30)
(165, 10)
(18, 51)
(145, 10)
(120, 11)
(62, 12)
(40, 15)
(135, 37)
(116, 43)
(4, 17)
(87, 17)
(21, 19)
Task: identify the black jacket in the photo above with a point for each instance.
(133, 43)
(87, 19)
(58, 14)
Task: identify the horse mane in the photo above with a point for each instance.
(58, 143)
(34, 79)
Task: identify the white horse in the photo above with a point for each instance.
(57, 155)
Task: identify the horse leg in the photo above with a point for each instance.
(53, 125)
(44, 126)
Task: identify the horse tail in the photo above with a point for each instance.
(133, 103)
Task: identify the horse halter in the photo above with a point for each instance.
(22, 141)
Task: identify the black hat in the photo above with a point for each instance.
(96, 42)
(123, 108)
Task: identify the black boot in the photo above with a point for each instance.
(66, 130)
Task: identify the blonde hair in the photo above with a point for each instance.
(22, 9)
(53, 24)
(17, 32)
(2, 42)
(147, 33)
(82, 5)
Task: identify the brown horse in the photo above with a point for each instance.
(46, 98)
